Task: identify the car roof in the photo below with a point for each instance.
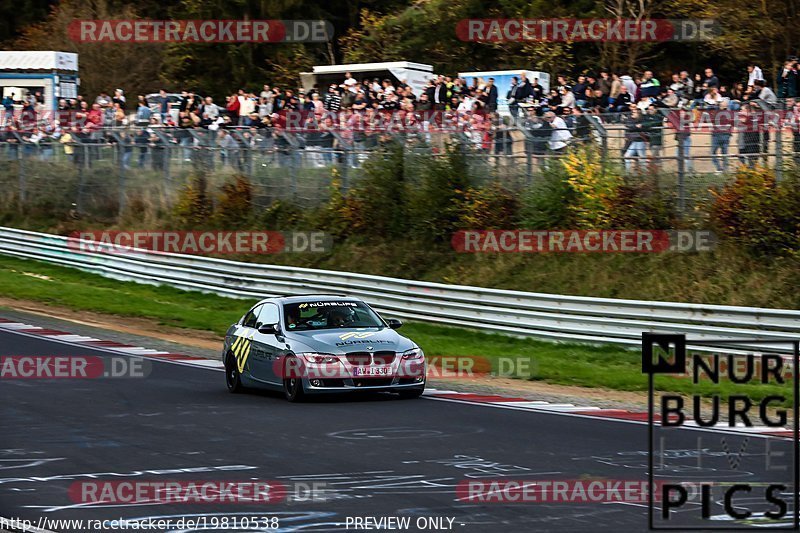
(310, 298)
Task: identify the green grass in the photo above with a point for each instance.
(88, 292)
(604, 366)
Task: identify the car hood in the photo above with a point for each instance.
(348, 340)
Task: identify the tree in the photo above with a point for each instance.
(134, 68)
(626, 56)
(426, 33)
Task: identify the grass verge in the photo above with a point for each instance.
(609, 367)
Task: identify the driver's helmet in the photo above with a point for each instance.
(339, 316)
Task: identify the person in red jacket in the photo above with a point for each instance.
(94, 118)
(233, 108)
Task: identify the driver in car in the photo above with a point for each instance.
(292, 317)
(337, 318)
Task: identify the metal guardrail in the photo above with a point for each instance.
(554, 317)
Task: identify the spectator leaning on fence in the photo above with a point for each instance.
(163, 104)
(654, 127)
(721, 131)
(560, 135)
(765, 93)
(683, 136)
(67, 140)
(749, 139)
(579, 125)
(210, 109)
(635, 139)
(712, 99)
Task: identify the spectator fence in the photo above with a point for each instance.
(103, 171)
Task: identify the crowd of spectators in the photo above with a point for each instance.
(359, 114)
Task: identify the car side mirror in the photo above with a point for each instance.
(394, 323)
(268, 329)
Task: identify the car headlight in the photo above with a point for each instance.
(319, 358)
(414, 353)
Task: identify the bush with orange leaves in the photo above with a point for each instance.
(757, 212)
(490, 207)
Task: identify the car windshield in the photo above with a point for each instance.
(304, 316)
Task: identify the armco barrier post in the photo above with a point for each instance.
(294, 161)
(121, 180)
(21, 178)
(603, 133)
(167, 160)
(344, 164)
(603, 154)
(681, 179)
(82, 168)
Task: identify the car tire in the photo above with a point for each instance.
(293, 387)
(411, 394)
(233, 379)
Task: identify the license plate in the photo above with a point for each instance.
(372, 371)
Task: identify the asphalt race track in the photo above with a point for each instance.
(376, 455)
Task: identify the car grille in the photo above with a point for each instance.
(359, 358)
(367, 358)
(383, 358)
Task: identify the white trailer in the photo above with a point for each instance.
(416, 75)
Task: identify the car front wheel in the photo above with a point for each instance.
(293, 385)
(232, 377)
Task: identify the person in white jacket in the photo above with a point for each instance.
(754, 74)
(628, 82)
(567, 98)
(560, 135)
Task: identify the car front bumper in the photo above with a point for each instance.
(323, 386)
